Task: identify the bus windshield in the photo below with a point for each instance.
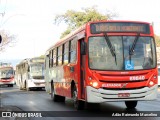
(37, 71)
(101, 57)
(6, 73)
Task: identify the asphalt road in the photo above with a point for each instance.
(40, 103)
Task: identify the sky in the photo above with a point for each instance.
(32, 21)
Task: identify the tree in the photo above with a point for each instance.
(157, 39)
(75, 19)
(7, 40)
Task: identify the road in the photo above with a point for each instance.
(40, 101)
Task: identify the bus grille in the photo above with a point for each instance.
(123, 88)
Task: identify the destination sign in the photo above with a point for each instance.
(104, 27)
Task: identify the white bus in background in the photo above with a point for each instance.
(30, 74)
(6, 74)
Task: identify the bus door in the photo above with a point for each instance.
(82, 67)
(46, 74)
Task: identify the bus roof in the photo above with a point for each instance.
(30, 60)
(5, 65)
(119, 21)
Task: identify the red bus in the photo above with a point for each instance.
(6, 74)
(104, 61)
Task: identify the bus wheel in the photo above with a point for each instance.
(92, 106)
(131, 104)
(78, 104)
(53, 96)
(11, 85)
(25, 86)
(56, 98)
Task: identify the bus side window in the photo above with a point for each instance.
(50, 59)
(72, 52)
(54, 57)
(60, 55)
(65, 54)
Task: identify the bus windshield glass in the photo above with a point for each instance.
(6, 73)
(101, 58)
(37, 71)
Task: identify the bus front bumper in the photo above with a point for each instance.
(36, 83)
(7, 83)
(102, 95)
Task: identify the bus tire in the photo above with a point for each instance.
(25, 86)
(61, 99)
(92, 106)
(131, 104)
(54, 97)
(78, 104)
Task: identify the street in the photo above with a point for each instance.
(40, 101)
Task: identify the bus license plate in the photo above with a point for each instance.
(123, 95)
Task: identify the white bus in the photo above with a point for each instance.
(30, 74)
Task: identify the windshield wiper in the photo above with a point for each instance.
(112, 49)
(131, 51)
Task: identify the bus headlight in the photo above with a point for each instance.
(94, 84)
(151, 83)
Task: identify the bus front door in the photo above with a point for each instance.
(82, 68)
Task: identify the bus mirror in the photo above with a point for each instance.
(83, 48)
(47, 55)
(0, 38)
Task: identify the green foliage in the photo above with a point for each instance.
(75, 19)
(157, 39)
(65, 33)
(41, 56)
